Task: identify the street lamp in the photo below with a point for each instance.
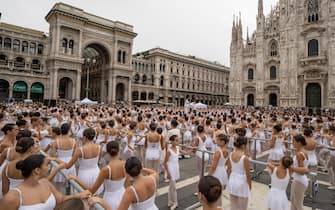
(88, 62)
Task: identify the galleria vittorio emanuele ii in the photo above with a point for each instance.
(148, 105)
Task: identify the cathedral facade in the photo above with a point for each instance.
(287, 61)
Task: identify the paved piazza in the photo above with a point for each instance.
(286, 63)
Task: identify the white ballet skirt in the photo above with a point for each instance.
(65, 156)
(153, 151)
(237, 183)
(89, 171)
(277, 198)
(257, 142)
(114, 190)
(173, 164)
(202, 146)
(277, 152)
(220, 171)
(312, 159)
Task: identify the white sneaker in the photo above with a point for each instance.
(195, 193)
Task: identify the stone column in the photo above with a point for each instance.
(28, 91)
(10, 91)
(80, 42)
(57, 39)
(129, 91)
(110, 86)
(78, 85)
(102, 87)
(113, 89)
(55, 84)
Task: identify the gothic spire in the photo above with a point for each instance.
(260, 7)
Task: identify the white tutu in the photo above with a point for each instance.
(277, 200)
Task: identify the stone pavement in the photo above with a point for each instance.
(186, 187)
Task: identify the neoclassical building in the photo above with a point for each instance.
(172, 77)
(82, 54)
(86, 55)
(287, 61)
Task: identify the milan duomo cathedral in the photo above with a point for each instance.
(289, 60)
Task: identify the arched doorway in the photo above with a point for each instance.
(20, 90)
(273, 99)
(96, 59)
(120, 92)
(65, 88)
(37, 91)
(313, 95)
(134, 95)
(4, 90)
(250, 100)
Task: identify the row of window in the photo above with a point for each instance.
(312, 45)
(273, 73)
(67, 45)
(20, 62)
(21, 46)
(121, 56)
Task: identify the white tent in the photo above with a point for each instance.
(200, 106)
(87, 102)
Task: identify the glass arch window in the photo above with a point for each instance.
(273, 73)
(313, 47)
(250, 74)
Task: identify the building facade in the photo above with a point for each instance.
(171, 77)
(287, 61)
(84, 55)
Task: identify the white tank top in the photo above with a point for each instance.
(49, 204)
(298, 177)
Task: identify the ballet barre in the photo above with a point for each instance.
(72, 182)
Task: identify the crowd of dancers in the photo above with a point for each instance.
(118, 153)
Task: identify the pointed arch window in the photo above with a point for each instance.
(313, 47)
(273, 48)
(313, 11)
(250, 74)
(273, 73)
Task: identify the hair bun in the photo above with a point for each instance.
(18, 149)
(20, 165)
